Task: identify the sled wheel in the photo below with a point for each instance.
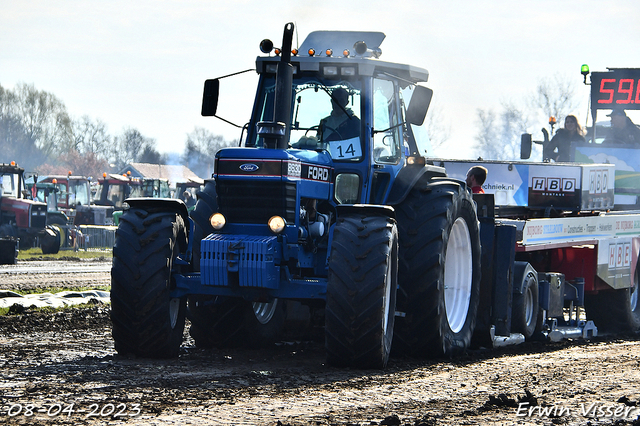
(361, 291)
(147, 321)
(526, 317)
(615, 311)
(439, 270)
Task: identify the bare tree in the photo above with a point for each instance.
(487, 137)
(500, 140)
(438, 130)
(81, 164)
(15, 144)
(555, 97)
(44, 118)
(91, 137)
(131, 147)
(200, 150)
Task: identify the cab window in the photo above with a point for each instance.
(387, 138)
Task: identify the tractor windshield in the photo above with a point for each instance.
(79, 193)
(11, 185)
(325, 115)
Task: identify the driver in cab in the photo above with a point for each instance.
(342, 123)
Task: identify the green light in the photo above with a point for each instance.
(584, 70)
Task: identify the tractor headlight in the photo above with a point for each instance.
(217, 221)
(276, 224)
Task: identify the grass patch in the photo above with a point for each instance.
(54, 290)
(36, 254)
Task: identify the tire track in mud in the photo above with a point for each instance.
(68, 358)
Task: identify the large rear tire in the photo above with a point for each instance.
(147, 321)
(361, 291)
(615, 311)
(439, 270)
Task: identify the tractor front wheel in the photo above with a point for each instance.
(361, 291)
(147, 321)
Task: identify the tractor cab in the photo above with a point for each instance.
(333, 103)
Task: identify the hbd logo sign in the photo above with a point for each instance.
(558, 185)
(598, 181)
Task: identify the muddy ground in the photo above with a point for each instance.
(61, 368)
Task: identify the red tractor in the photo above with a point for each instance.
(22, 217)
(74, 199)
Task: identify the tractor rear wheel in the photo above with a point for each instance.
(147, 321)
(439, 270)
(361, 291)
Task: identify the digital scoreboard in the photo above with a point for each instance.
(618, 88)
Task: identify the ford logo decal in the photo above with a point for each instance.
(249, 167)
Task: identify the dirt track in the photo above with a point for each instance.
(61, 368)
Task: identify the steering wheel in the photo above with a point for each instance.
(316, 127)
(335, 132)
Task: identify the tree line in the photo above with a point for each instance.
(498, 136)
(37, 132)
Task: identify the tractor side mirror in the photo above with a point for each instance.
(525, 146)
(210, 97)
(419, 105)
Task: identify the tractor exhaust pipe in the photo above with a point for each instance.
(276, 133)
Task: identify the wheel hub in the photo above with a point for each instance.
(264, 310)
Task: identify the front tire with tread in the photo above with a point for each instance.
(361, 291)
(147, 322)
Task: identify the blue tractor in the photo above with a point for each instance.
(328, 210)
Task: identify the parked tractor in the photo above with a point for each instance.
(20, 216)
(74, 199)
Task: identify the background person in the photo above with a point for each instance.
(559, 147)
(622, 129)
(476, 176)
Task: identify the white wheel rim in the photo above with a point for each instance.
(633, 299)
(174, 310)
(458, 275)
(387, 299)
(264, 310)
(528, 305)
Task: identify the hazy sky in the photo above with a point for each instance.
(142, 63)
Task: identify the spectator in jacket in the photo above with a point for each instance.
(622, 129)
(559, 147)
(476, 176)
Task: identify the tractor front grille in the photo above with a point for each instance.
(256, 201)
(38, 216)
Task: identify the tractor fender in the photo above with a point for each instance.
(167, 203)
(346, 209)
(407, 178)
